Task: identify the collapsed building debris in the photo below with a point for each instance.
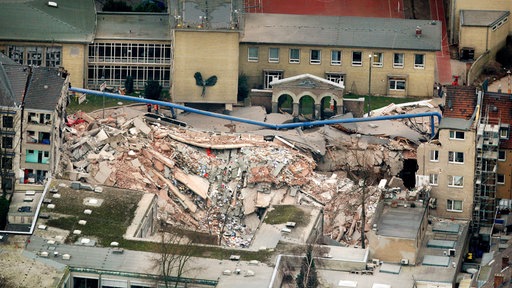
(210, 181)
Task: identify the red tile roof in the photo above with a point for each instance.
(498, 106)
(460, 102)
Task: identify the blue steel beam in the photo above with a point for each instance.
(264, 124)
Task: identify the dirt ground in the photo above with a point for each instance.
(417, 9)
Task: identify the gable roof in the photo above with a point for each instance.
(13, 79)
(70, 21)
(460, 102)
(361, 32)
(44, 89)
(499, 106)
(483, 18)
(303, 77)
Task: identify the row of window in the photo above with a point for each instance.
(130, 53)
(116, 75)
(453, 157)
(394, 83)
(36, 55)
(315, 57)
(453, 181)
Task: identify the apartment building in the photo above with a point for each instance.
(448, 160)
(44, 116)
(33, 116)
(497, 108)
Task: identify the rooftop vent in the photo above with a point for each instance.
(418, 31)
(52, 4)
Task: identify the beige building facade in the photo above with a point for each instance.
(211, 53)
(449, 164)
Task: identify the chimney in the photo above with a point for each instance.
(418, 31)
(498, 280)
(504, 262)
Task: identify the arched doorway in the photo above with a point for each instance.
(285, 104)
(307, 107)
(328, 107)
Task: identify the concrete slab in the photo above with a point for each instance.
(433, 243)
(390, 268)
(432, 260)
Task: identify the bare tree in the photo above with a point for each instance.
(361, 169)
(175, 250)
(6, 282)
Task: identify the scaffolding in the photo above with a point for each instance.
(487, 148)
(253, 6)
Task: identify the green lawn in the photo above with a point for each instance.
(380, 101)
(94, 103)
(286, 213)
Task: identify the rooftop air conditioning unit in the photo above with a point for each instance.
(404, 261)
(451, 252)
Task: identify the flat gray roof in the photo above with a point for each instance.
(481, 17)
(400, 222)
(133, 26)
(432, 260)
(357, 32)
(455, 123)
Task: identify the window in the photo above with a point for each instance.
(458, 135)
(357, 58)
(456, 157)
(294, 55)
(398, 60)
(397, 84)
(273, 55)
(454, 205)
(53, 56)
(6, 163)
(504, 132)
(253, 54)
(7, 142)
(502, 156)
(377, 59)
(335, 77)
(315, 56)
(455, 181)
(419, 61)
(432, 179)
(35, 56)
(270, 76)
(501, 179)
(7, 122)
(434, 155)
(335, 57)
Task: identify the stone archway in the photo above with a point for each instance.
(285, 103)
(307, 91)
(307, 107)
(328, 107)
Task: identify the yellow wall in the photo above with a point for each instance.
(73, 60)
(500, 5)
(420, 82)
(505, 167)
(441, 191)
(483, 38)
(208, 52)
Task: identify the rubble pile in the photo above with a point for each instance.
(210, 181)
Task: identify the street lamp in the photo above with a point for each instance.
(370, 86)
